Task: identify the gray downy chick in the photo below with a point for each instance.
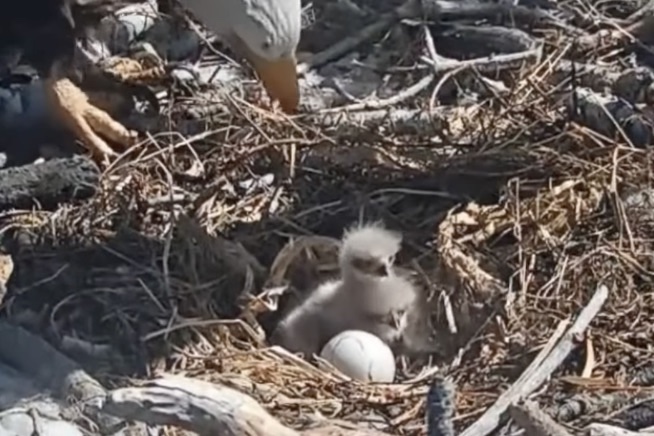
(368, 296)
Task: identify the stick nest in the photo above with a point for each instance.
(512, 213)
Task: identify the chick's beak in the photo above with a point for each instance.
(279, 77)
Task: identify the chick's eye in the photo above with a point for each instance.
(265, 46)
(380, 270)
(360, 264)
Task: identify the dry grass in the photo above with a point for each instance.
(512, 211)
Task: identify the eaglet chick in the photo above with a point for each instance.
(368, 295)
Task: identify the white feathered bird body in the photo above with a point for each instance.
(370, 296)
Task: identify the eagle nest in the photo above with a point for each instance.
(519, 191)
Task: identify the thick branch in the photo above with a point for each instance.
(609, 430)
(49, 183)
(610, 116)
(534, 421)
(448, 11)
(208, 409)
(440, 408)
(195, 405)
(35, 373)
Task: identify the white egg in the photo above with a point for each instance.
(360, 355)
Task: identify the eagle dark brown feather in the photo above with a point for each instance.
(43, 33)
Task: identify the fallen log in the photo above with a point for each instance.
(42, 391)
(48, 184)
(209, 409)
(610, 430)
(534, 421)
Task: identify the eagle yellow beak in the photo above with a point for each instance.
(279, 77)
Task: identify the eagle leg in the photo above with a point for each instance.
(132, 72)
(71, 106)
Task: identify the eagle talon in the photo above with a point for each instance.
(131, 71)
(72, 107)
(43, 32)
(121, 67)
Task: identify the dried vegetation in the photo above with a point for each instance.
(515, 198)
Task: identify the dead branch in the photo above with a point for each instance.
(534, 421)
(401, 96)
(541, 369)
(194, 405)
(48, 184)
(610, 430)
(440, 408)
(487, 63)
(34, 375)
(639, 28)
(404, 121)
(633, 84)
(490, 38)
(637, 413)
(207, 409)
(408, 9)
(611, 116)
(447, 11)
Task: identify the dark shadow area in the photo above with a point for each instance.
(48, 184)
(107, 303)
(101, 298)
(22, 144)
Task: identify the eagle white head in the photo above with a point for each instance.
(266, 33)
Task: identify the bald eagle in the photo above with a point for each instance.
(43, 34)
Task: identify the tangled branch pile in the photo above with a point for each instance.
(505, 141)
